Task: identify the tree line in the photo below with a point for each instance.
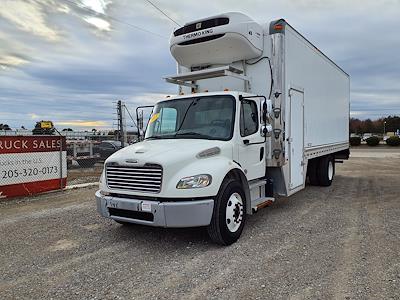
(387, 124)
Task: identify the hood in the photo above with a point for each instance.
(167, 151)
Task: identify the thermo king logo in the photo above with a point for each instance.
(198, 34)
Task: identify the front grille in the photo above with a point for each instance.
(136, 179)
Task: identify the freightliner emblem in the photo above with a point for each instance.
(131, 161)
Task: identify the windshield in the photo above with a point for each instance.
(208, 117)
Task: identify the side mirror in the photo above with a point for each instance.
(267, 109)
(266, 130)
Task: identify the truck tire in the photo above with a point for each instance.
(312, 171)
(326, 170)
(229, 214)
(86, 163)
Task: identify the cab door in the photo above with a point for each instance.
(251, 144)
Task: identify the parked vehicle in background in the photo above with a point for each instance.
(388, 135)
(83, 152)
(366, 136)
(44, 128)
(108, 147)
(252, 120)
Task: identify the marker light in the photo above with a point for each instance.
(278, 27)
(209, 152)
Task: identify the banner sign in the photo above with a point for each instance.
(31, 165)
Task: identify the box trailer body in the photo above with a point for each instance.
(260, 110)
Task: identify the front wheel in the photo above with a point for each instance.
(229, 214)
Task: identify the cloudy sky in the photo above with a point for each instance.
(60, 60)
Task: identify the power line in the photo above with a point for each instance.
(114, 19)
(161, 11)
(130, 116)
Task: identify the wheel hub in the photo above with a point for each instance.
(330, 170)
(234, 212)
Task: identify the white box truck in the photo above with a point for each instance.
(260, 110)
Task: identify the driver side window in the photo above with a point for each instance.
(248, 118)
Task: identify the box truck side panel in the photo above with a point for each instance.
(326, 91)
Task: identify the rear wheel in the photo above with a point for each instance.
(326, 170)
(229, 214)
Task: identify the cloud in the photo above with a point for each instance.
(10, 60)
(34, 116)
(99, 23)
(28, 16)
(82, 123)
(98, 6)
(66, 63)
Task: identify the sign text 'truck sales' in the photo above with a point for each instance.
(31, 164)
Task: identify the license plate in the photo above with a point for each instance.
(112, 203)
(146, 206)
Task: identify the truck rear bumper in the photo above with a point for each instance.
(180, 213)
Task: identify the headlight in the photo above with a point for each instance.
(194, 182)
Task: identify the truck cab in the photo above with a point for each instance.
(252, 120)
(195, 148)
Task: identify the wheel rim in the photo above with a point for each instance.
(234, 212)
(330, 170)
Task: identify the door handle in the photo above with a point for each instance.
(261, 153)
(246, 142)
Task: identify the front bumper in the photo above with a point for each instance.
(191, 213)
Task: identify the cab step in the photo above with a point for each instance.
(261, 203)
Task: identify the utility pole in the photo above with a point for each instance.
(140, 126)
(120, 113)
(384, 128)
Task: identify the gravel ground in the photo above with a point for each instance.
(79, 175)
(340, 242)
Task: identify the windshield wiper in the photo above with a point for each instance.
(159, 137)
(194, 102)
(192, 133)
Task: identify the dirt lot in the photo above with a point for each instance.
(78, 175)
(340, 242)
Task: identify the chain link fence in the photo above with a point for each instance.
(34, 161)
(49, 158)
(87, 151)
